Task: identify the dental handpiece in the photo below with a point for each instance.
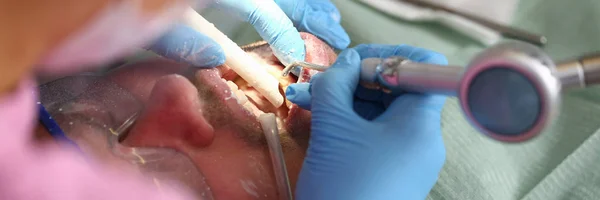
(509, 92)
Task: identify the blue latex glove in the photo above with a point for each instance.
(365, 144)
(275, 20)
(184, 44)
(272, 25)
(319, 17)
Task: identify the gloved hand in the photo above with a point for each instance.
(269, 18)
(184, 44)
(365, 144)
(320, 18)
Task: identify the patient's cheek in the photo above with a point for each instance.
(173, 117)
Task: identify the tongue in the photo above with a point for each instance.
(173, 118)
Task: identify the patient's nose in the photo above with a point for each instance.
(172, 118)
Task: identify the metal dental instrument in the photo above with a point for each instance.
(269, 126)
(507, 31)
(510, 92)
(286, 71)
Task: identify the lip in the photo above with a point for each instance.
(251, 100)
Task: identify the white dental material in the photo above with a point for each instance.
(238, 60)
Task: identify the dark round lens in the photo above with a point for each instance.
(504, 101)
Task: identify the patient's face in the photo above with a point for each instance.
(192, 127)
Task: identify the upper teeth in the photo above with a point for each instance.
(237, 93)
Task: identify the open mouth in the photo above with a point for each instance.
(229, 109)
(195, 126)
(254, 102)
(250, 98)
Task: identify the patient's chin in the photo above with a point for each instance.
(210, 115)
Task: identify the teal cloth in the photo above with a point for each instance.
(563, 163)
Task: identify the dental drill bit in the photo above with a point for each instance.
(369, 69)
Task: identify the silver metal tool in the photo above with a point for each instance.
(286, 71)
(510, 92)
(507, 31)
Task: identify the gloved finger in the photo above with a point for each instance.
(417, 106)
(315, 77)
(299, 94)
(272, 25)
(184, 44)
(334, 89)
(415, 54)
(319, 17)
